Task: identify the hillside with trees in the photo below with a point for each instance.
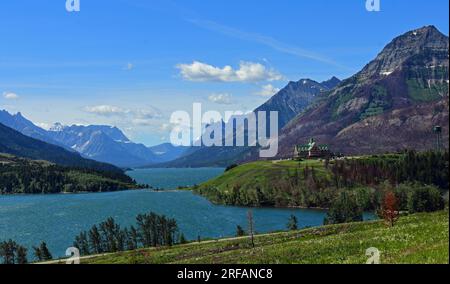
(23, 176)
(318, 183)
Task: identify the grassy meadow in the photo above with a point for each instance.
(416, 239)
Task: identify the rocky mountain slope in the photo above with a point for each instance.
(392, 103)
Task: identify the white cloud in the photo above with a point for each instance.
(268, 91)
(129, 66)
(247, 72)
(147, 113)
(139, 117)
(223, 99)
(10, 96)
(106, 110)
(165, 127)
(143, 122)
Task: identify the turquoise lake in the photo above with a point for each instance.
(57, 219)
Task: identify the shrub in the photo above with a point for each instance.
(425, 198)
(231, 167)
(344, 210)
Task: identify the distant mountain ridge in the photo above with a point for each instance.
(97, 142)
(26, 127)
(17, 144)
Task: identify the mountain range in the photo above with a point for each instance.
(97, 142)
(15, 143)
(393, 103)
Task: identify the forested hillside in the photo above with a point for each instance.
(317, 183)
(23, 176)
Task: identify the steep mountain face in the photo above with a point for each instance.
(289, 102)
(15, 143)
(406, 128)
(331, 83)
(103, 143)
(296, 97)
(364, 113)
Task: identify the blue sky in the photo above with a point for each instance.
(131, 63)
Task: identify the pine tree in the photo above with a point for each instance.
(45, 252)
(95, 240)
(239, 231)
(21, 255)
(293, 223)
(183, 239)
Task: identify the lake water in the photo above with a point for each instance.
(173, 178)
(57, 219)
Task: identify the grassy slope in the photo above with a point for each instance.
(261, 174)
(420, 238)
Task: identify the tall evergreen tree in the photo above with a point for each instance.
(293, 223)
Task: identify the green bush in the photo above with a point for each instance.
(425, 199)
(344, 210)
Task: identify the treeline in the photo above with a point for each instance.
(426, 168)
(318, 185)
(151, 230)
(21, 176)
(14, 253)
(304, 186)
(408, 197)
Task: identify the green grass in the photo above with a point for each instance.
(258, 183)
(416, 239)
(262, 173)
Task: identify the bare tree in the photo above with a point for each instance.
(251, 227)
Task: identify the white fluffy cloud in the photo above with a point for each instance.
(10, 96)
(106, 110)
(223, 99)
(141, 117)
(268, 91)
(247, 72)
